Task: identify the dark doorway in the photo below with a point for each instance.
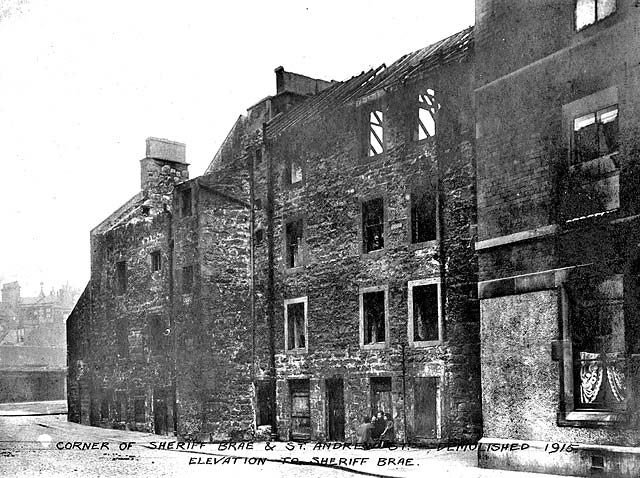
(300, 410)
(335, 404)
(160, 418)
(425, 409)
(266, 399)
(381, 395)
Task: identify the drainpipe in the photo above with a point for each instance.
(404, 391)
(173, 325)
(251, 166)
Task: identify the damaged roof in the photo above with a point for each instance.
(453, 48)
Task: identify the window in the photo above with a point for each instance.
(187, 279)
(427, 108)
(121, 277)
(589, 12)
(258, 156)
(594, 356)
(20, 335)
(139, 411)
(423, 217)
(185, 202)
(595, 134)
(156, 261)
(374, 327)
(592, 183)
(156, 334)
(104, 409)
(122, 335)
(375, 133)
(381, 399)
(146, 210)
(295, 320)
(258, 204)
(425, 320)
(373, 225)
(259, 236)
(294, 171)
(293, 244)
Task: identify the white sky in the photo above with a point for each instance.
(84, 83)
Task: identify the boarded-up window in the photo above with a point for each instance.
(300, 410)
(373, 225)
(425, 411)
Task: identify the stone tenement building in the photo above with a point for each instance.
(321, 270)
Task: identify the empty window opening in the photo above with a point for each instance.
(427, 109)
(258, 203)
(425, 312)
(296, 324)
(294, 233)
(374, 317)
(376, 132)
(423, 217)
(373, 225)
(589, 12)
(259, 237)
(295, 171)
(146, 210)
(595, 134)
(187, 279)
(121, 277)
(156, 261)
(185, 202)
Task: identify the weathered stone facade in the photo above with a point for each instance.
(277, 226)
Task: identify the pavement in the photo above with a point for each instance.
(37, 440)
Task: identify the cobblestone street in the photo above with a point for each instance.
(32, 434)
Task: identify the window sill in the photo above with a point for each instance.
(373, 254)
(374, 346)
(592, 419)
(300, 351)
(423, 245)
(293, 270)
(418, 344)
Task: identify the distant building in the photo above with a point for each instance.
(33, 343)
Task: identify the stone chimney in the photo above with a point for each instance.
(11, 293)
(164, 165)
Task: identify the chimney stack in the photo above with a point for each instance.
(164, 165)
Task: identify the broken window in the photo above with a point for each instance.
(427, 109)
(424, 316)
(589, 12)
(185, 202)
(423, 217)
(373, 225)
(294, 170)
(156, 261)
(374, 317)
(595, 134)
(296, 323)
(121, 277)
(187, 279)
(293, 244)
(376, 133)
(596, 331)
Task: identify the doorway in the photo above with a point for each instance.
(335, 409)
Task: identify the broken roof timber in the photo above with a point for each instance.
(368, 84)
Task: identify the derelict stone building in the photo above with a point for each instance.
(321, 270)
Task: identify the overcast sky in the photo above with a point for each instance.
(84, 83)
